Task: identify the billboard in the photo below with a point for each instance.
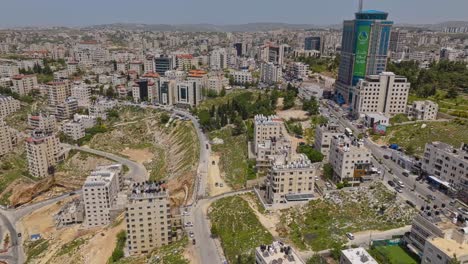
(362, 47)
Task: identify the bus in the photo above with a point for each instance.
(348, 132)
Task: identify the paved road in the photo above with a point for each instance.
(137, 172)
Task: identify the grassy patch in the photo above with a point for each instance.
(172, 253)
(234, 156)
(118, 252)
(69, 248)
(158, 165)
(453, 133)
(36, 248)
(400, 118)
(322, 224)
(217, 101)
(238, 228)
(393, 255)
(13, 166)
(453, 106)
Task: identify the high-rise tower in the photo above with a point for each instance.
(364, 49)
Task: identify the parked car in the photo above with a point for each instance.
(350, 236)
(400, 184)
(406, 173)
(193, 242)
(410, 203)
(398, 189)
(384, 147)
(392, 184)
(189, 224)
(386, 156)
(431, 197)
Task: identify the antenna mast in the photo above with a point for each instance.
(360, 5)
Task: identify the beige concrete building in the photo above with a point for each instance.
(71, 213)
(24, 84)
(8, 105)
(349, 158)
(43, 151)
(42, 122)
(323, 136)
(58, 92)
(8, 138)
(271, 149)
(291, 181)
(277, 252)
(75, 130)
(267, 128)
(82, 94)
(448, 166)
(422, 110)
(148, 218)
(385, 93)
(441, 251)
(100, 191)
(67, 109)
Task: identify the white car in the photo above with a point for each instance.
(350, 236)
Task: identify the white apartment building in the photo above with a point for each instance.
(148, 218)
(356, 256)
(8, 138)
(148, 64)
(267, 128)
(448, 165)
(277, 252)
(217, 83)
(99, 108)
(300, 70)
(67, 109)
(175, 75)
(218, 59)
(99, 196)
(43, 151)
(24, 84)
(273, 54)
(86, 120)
(372, 118)
(384, 93)
(271, 73)
(42, 122)
(291, 181)
(8, 69)
(323, 137)
(74, 130)
(423, 110)
(8, 105)
(242, 77)
(82, 94)
(72, 67)
(136, 66)
(349, 158)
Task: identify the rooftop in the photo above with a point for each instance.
(278, 252)
(148, 190)
(450, 246)
(358, 255)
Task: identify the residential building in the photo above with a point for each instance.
(448, 166)
(82, 94)
(42, 122)
(99, 196)
(349, 158)
(43, 151)
(8, 105)
(136, 66)
(66, 109)
(8, 138)
(267, 128)
(72, 68)
(149, 64)
(217, 83)
(356, 256)
(300, 70)
(218, 59)
(86, 120)
(385, 93)
(8, 69)
(144, 90)
(58, 92)
(166, 91)
(422, 110)
(312, 43)
(307, 91)
(371, 119)
(323, 137)
(100, 108)
(277, 252)
(291, 181)
(74, 130)
(184, 62)
(148, 218)
(24, 84)
(398, 40)
(439, 250)
(241, 77)
(176, 75)
(271, 73)
(273, 54)
(364, 50)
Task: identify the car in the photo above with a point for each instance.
(430, 197)
(419, 178)
(19, 235)
(216, 184)
(191, 234)
(194, 242)
(350, 236)
(189, 224)
(399, 190)
(405, 173)
(452, 203)
(316, 178)
(392, 184)
(463, 210)
(410, 203)
(386, 156)
(384, 147)
(221, 185)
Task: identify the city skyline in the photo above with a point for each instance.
(61, 13)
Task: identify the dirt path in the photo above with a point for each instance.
(270, 220)
(139, 155)
(214, 176)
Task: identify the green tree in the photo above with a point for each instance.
(311, 153)
(164, 118)
(316, 259)
(311, 106)
(328, 171)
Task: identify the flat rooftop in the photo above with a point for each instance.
(278, 252)
(449, 246)
(358, 255)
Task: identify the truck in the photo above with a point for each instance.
(348, 132)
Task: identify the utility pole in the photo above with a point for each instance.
(360, 5)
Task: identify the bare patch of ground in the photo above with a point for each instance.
(139, 155)
(292, 114)
(270, 220)
(215, 176)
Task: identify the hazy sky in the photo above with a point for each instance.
(91, 12)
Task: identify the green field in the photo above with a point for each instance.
(453, 133)
(238, 228)
(392, 255)
(234, 157)
(13, 166)
(208, 103)
(322, 224)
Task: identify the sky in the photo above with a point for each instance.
(15, 13)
